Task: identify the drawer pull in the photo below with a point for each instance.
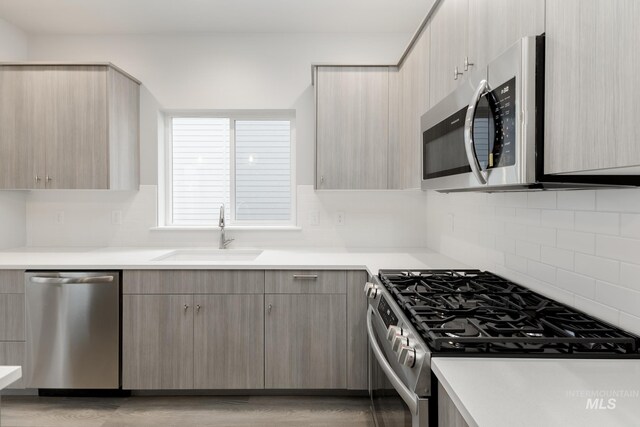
(305, 276)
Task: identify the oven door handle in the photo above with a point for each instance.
(410, 398)
(469, 143)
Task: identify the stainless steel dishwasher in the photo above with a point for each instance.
(73, 330)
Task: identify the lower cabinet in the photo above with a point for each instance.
(306, 332)
(192, 342)
(228, 342)
(305, 341)
(157, 342)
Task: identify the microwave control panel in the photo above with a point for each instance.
(502, 100)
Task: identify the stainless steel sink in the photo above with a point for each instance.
(210, 255)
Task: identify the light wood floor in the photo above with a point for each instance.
(186, 411)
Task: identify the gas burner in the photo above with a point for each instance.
(459, 328)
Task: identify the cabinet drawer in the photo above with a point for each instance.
(12, 317)
(305, 282)
(193, 282)
(13, 354)
(11, 281)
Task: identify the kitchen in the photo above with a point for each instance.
(213, 218)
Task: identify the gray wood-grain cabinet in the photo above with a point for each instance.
(305, 341)
(68, 127)
(449, 29)
(12, 318)
(592, 90)
(352, 127)
(448, 413)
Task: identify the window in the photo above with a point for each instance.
(243, 162)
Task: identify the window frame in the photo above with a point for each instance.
(165, 165)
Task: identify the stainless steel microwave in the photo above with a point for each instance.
(482, 137)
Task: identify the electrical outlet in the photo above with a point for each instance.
(313, 218)
(60, 217)
(448, 222)
(116, 217)
(340, 218)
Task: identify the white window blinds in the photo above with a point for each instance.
(201, 169)
(241, 163)
(263, 170)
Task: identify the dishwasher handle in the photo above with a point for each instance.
(66, 280)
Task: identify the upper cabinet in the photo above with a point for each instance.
(448, 48)
(352, 127)
(591, 91)
(494, 25)
(68, 127)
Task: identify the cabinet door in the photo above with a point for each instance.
(591, 85)
(448, 47)
(352, 127)
(357, 342)
(410, 98)
(25, 121)
(157, 342)
(229, 342)
(494, 25)
(77, 151)
(305, 341)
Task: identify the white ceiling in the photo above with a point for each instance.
(180, 16)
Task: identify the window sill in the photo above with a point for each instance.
(228, 228)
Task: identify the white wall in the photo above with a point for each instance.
(223, 71)
(579, 247)
(13, 47)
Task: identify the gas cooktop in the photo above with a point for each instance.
(475, 313)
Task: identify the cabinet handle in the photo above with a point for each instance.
(37, 179)
(321, 179)
(49, 179)
(197, 308)
(186, 306)
(269, 308)
(305, 276)
(456, 73)
(467, 64)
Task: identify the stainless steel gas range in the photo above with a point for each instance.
(413, 316)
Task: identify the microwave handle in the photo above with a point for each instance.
(469, 144)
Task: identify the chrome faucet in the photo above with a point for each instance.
(223, 241)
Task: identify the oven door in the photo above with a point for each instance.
(393, 403)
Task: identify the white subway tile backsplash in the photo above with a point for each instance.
(528, 250)
(542, 235)
(577, 241)
(557, 219)
(576, 283)
(618, 248)
(580, 247)
(598, 268)
(615, 296)
(541, 199)
(630, 225)
(577, 200)
(557, 257)
(630, 276)
(541, 271)
(630, 323)
(627, 200)
(598, 222)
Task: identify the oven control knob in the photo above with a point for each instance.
(394, 330)
(371, 290)
(398, 342)
(407, 356)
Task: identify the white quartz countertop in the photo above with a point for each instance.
(496, 392)
(294, 258)
(9, 374)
